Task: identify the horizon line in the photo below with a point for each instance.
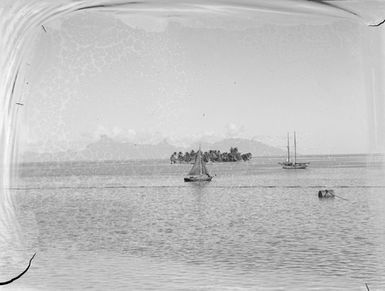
(165, 159)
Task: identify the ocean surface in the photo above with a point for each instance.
(135, 225)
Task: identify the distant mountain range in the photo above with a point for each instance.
(108, 149)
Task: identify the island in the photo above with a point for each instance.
(211, 156)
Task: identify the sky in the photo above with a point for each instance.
(144, 79)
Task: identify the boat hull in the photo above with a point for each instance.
(295, 167)
(198, 179)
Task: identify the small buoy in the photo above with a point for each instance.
(326, 193)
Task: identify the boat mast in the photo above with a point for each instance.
(288, 148)
(200, 162)
(295, 149)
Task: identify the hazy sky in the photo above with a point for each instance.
(143, 79)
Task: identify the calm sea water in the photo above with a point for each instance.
(135, 225)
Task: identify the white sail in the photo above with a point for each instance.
(199, 167)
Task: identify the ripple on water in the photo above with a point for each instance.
(204, 238)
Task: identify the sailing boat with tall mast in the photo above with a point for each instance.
(199, 171)
(289, 164)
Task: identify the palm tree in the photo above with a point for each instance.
(173, 158)
(180, 157)
(187, 157)
(212, 155)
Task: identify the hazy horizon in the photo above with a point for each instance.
(218, 144)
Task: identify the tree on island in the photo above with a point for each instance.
(211, 156)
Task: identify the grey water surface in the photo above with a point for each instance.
(135, 225)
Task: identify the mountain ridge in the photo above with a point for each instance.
(108, 149)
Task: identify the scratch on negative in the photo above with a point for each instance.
(14, 81)
(21, 274)
(378, 24)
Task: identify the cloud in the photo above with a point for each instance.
(190, 139)
(115, 133)
(233, 130)
(128, 135)
(152, 136)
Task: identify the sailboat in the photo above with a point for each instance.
(289, 164)
(199, 171)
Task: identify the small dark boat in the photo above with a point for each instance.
(198, 172)
(198, 178)
(326, 194)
